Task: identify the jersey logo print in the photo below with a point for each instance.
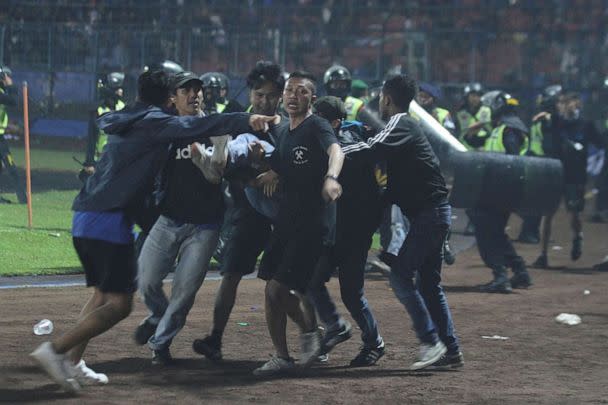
(300, 155)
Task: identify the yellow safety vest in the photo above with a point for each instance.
(466, 119)
(3, 116)
(219, 107)
(352, 106)
(103, 138)
(494, 142)
(536, 139)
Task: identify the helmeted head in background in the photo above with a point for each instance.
(472, 95)
(548, 99)
(501, 103)
(337, 81)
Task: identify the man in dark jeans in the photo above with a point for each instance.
(358, 214)
(416, 185)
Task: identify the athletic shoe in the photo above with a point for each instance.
(448, 361)
(162, 357)
(57, 367)
(209, 347)
(144, 332)
(528, 238)
(86, 376)
(276, 365)
(381, 266)
(323, 358)
(577, 248)
(541, 263)
(219, 157)
(429, 354)
(335, 337)
(448, 256)
(310, 348)
(521, 280)
(368, 356)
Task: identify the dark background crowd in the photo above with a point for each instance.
(61, 47)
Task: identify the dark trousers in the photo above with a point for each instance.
(494, 245)
(6, 161)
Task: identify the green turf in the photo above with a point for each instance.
(48, 158)
(47, 247)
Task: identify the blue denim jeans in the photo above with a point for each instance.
(168, 240)
(416, 277)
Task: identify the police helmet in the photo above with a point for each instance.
(211, 80)
(5, 71)
(224, 81)
(168, 66)
(499, 102)
(115, 80)
(334, 74)
(549, 95)
(473, 88)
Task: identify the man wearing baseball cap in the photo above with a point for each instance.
(191, 209)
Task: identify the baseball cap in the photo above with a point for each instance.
(181, 78)
(431, 90)
(330, 108)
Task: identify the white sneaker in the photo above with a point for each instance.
(429, 354)
(276, 365)
(212, 172)
(57, 367)
(86, 376)
(310, 348)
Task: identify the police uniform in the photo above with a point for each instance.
(495, 248)
(466, 119)
(6, 159)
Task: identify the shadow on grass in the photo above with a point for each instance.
(44, 180)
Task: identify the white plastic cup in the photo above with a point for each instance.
(44, 327)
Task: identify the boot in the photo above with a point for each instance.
(521, 278)
(500, 284)
(448, 256)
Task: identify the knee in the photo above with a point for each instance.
(122, 304)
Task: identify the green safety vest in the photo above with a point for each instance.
(441, 114)
(494, 142)
(466, 119)
(248, 110)
(352, 106)
(103, 138)
(219, 107)
(3, 116)
(536, 139)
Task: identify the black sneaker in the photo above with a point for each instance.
(448, 361)
(162, 357)
(448, 256)
(497, 286)
(521, 280)
(334, 338)
(528, 238)
(368, 356)
(209, 347)
(144, 332)
(577, 248)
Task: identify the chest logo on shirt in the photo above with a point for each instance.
(300, 155)
(186, 153)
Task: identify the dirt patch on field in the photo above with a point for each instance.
(540, 362)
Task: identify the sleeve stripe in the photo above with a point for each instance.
(379, 137)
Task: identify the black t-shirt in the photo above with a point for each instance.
(301, 160)
(186, 195)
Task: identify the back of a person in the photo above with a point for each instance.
(414, 167)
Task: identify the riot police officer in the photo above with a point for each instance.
(474, 119)
(541, 124)
(427, 97)
(7, 98)
(212, 93)
(337, 81)
(509, 136)
(229, 105)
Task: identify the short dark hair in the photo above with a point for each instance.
(301, 74)
(402, 90)
(153, 87)
(265, 72)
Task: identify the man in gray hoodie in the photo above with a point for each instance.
(105, 208)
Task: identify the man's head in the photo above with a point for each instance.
(337, 81)
(153, 88)
(299, 93)
(5, 76)
(472, 95)
(187, 93)
(332, 109)
(427, 95)
(396, 96)
(266, 83)
(572, 105)
(115, 82)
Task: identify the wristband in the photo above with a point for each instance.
(330, 176)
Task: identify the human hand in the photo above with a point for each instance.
(332, 190)
(261, 123)
(269, 181)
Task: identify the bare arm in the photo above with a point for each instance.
(332, 189)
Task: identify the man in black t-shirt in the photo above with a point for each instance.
(308, 180)
(191, 210)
